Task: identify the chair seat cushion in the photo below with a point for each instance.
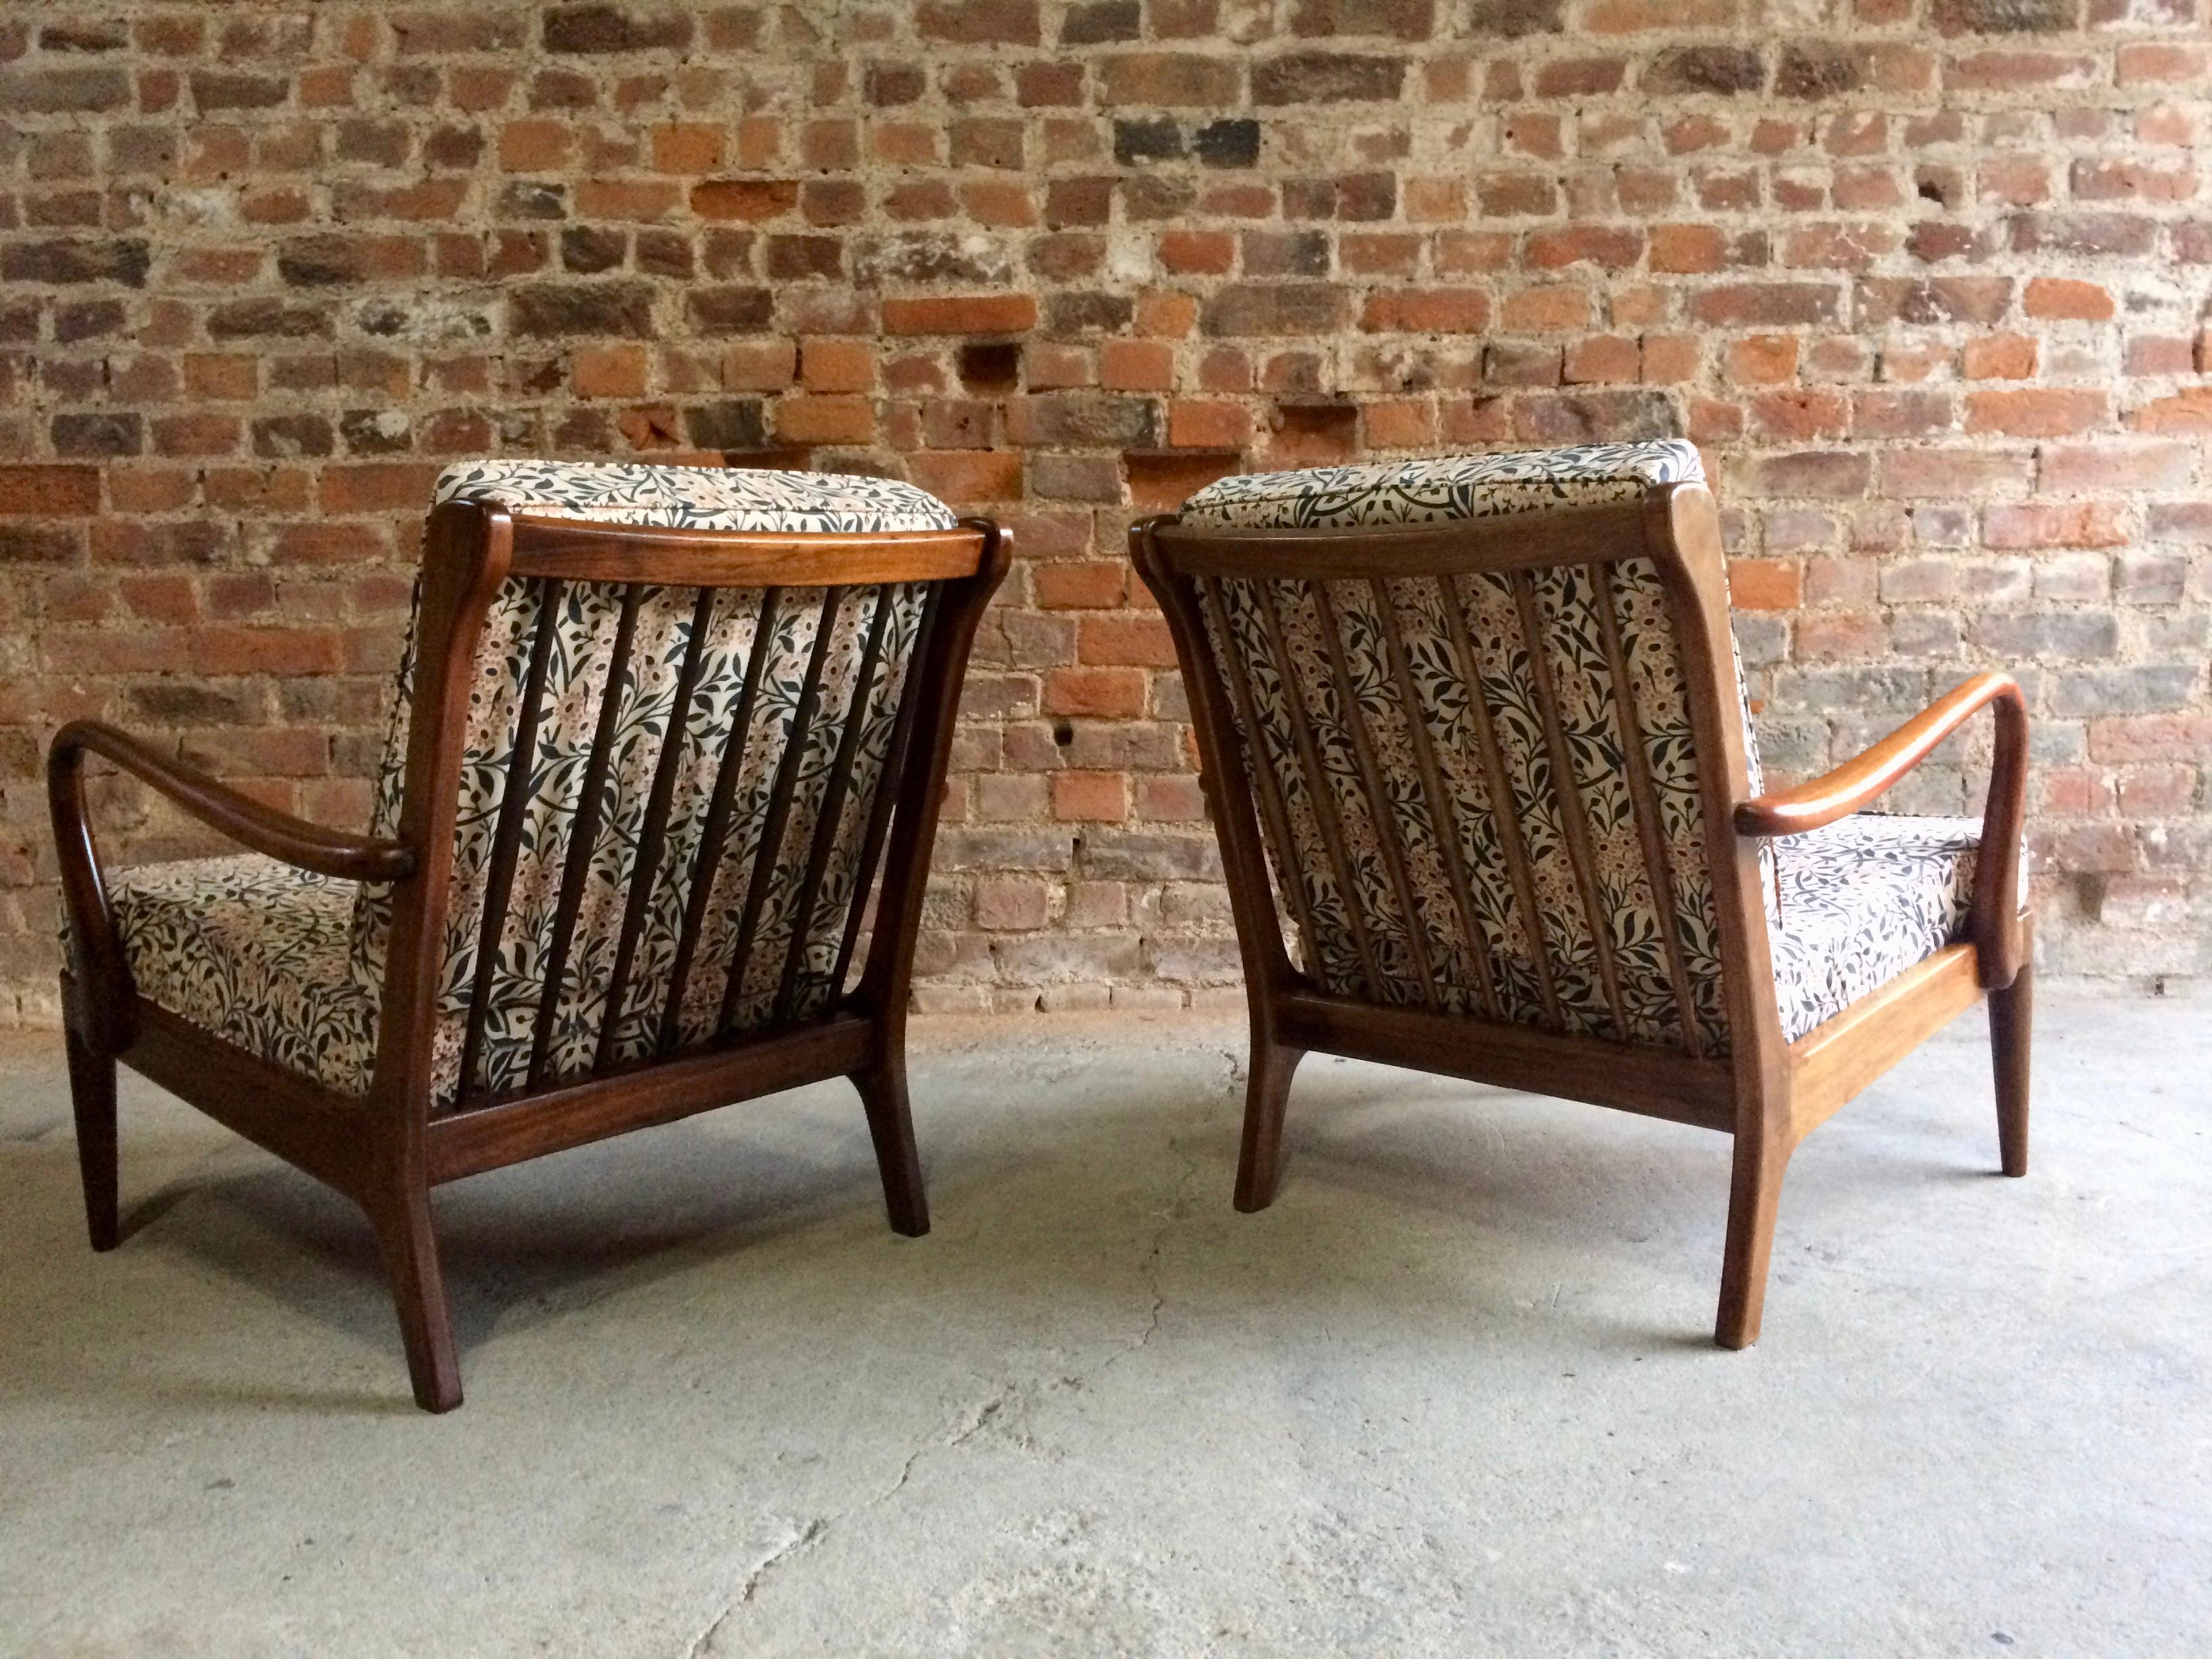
(1857, 902)
(255, 951)
(698, 497)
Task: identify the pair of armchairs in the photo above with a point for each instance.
(1472, 738)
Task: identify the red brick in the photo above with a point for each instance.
(2065, 297)
(1086, 585)
(1999, 357)
(49, 491)
(1765, 583)
(1105, 692)
(1426, 310)
(968, 478)
(1196, 423)
(2187, 411)
(1762, 359)
(825, 420)
(1090, 797)
(2044, 523)
(2041, 412)
(978, 314)
(1139, 641)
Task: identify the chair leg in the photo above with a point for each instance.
(2011, 1015)
(1755, 1189)
(92, 1096)
(1259, 1160)
(409, 1247)
(890, 1125)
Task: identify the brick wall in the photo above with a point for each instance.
(1929, 280)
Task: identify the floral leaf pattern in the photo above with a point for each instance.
(290, 965)
(1847, 909)
(255, 951)
(1861, 900)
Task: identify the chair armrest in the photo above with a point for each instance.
(100, 1008)
(257, 828)
(1843, 790)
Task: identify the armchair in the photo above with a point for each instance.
(1475, 741)
(656, 732)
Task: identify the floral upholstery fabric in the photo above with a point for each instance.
(852, 646)
(1442, 743)
(1859, 901)
(255, 951)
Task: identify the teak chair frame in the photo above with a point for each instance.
(387, 1149)
(1769, 1093)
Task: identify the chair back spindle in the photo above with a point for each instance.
(679, 800)
(1474, 776)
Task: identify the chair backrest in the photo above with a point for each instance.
(1473, 769)
(671, 798)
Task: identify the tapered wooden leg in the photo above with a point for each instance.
(1260, 1161)
(409, 1248)
(890, 1125)
(1755, 1189)
(91, 1095)
(2011, 1014)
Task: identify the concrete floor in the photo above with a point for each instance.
(1452, 1395)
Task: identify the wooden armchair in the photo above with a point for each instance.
(1476, 746)
(655, 728)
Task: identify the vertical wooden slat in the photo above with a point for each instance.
(1658, 868)
(1503, 810)
(832, 805)
(707, 858)
(1441, 815)
(888, 783)
(1332, 833)
(779, 807)
(653, 839)
(1236, 673)
(576, 866)
(507, 835)
(1567, 790)
(1384, 813)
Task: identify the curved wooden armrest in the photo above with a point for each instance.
(257, 828)
(1843, 790)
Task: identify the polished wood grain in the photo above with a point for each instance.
(576, 550)
(253, 826)
(1862, 779)
(2011, 1021)
(1764, 1092)
(1834, 1062)
(1653, 1081)
(388, 1149)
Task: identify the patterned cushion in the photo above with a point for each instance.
(1533, 956)
(1437, 487)
(1433, 488)
(1862, 899)
(255, 951)
(703, 497)
(1848, 908)
(292, 964)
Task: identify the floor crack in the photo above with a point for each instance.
(1177, 1205)
(970, 1424)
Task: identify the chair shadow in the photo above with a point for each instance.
(539, 1242)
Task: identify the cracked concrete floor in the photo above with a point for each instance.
(1452, 1395)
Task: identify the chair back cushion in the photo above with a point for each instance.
(761, 720)
(1479, 792)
